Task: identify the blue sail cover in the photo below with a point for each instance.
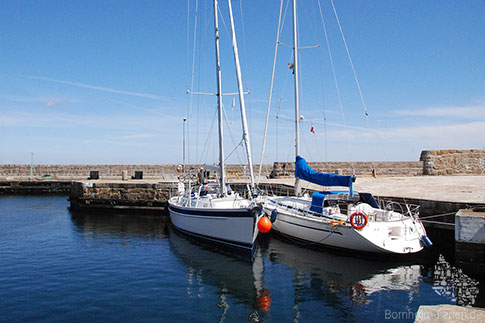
(303, 171)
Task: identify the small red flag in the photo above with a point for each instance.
(312, 130)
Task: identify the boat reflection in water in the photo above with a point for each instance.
(238, 279)
(192, 281)
(341, 281)
(99, 226)
(286, 280)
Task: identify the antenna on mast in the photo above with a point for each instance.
(32, 168)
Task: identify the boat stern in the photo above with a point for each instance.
(400, 237)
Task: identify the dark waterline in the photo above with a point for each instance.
(63, 266)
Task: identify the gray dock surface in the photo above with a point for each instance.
(457, 189)
(443, 314)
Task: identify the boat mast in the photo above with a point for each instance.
(297, 105)
(219, 103)
(241, 98)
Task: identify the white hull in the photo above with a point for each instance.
(396, 236)
(230, 226)
(219, 217)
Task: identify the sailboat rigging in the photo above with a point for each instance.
(211, 211)
(340, 219)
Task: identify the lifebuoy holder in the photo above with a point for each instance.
(358, 220)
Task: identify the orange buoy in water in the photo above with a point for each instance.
(263, 302)
(264, 224)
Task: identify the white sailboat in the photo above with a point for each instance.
(214, 213)
(341, 219)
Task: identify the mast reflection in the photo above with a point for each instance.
(237, 278)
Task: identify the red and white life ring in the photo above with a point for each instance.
(180, 168)
(358, 220)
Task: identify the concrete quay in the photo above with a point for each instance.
(463, 190)
(442, 314)
(148, 196)
(435, 194)
(454, 189)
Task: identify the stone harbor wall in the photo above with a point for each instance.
(412, 168)
(168, 171)
(83, 171)
(121, 196)
(453, 162)
(432, 162)
(120, 191)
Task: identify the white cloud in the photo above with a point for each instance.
(135, 136)
(461, 134)
(21, 99)
(53, 102)
(463, 112)
(71, 121)
(105, 142)
(104, 89)
(33, 99)
(398, 143)
(468, 133)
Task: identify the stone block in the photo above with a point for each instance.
(470, 226)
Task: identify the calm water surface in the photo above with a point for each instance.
(61, 266)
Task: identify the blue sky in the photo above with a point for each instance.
(106, 81)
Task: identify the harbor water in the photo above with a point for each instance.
(57, 265)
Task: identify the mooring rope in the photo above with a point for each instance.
(436, 215)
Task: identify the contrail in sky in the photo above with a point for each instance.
(99, 88)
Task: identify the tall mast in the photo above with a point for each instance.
(297, 105)
(219, 103)
(241, 98)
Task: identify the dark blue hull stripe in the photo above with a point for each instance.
(226, 213)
